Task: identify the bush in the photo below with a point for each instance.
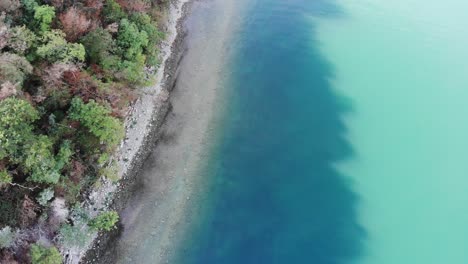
(105, 221)
(74, 235)
(43, 255)
(96, 118)
(7, 236)
(45, 196)
(5, 177)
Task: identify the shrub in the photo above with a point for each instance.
(5, 177)
(110, 172)
(74, 235)
(78, 234)
(7, 236)
(56, 49)
(96, 118)
(105, 221)
(43, 255)
(45, 196)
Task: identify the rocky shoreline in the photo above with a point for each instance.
(142, 125)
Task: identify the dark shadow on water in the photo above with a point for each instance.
(276, 196)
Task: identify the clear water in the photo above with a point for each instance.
(276, 195)
(345, 137)
(403, 64)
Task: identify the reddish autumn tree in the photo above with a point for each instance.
(75, 23)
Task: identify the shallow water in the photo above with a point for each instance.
(342, 137)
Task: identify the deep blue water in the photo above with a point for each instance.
(275, 196)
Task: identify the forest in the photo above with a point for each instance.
(69, 70)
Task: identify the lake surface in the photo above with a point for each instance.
(342, 136)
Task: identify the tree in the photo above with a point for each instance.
(4, 31)
(14, 68)
(15, 127)
(113, 11)
(144, 23)
(131, 40)
(40, 162)
(9, 5)
(96, 118)
(105, 221)
(100, 48)
(21, 39)
(56, 49)
(7, 236)
(44, 255)
(75, 23)
(44, 15)
(29, 5)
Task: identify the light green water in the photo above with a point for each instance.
(404, 66)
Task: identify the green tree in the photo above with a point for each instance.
(105, 221)
(15, 127)
(97, 119)
(133, 71)
(21, 39)
(29, 5)
(131, 40)
(113, 12)
(155, 36)
(44, 255)
(55, 48)
(14, 68)
(100, 48)
(44, 15)
(40, 162)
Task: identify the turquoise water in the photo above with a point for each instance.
(345, 138)
(404, 64)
